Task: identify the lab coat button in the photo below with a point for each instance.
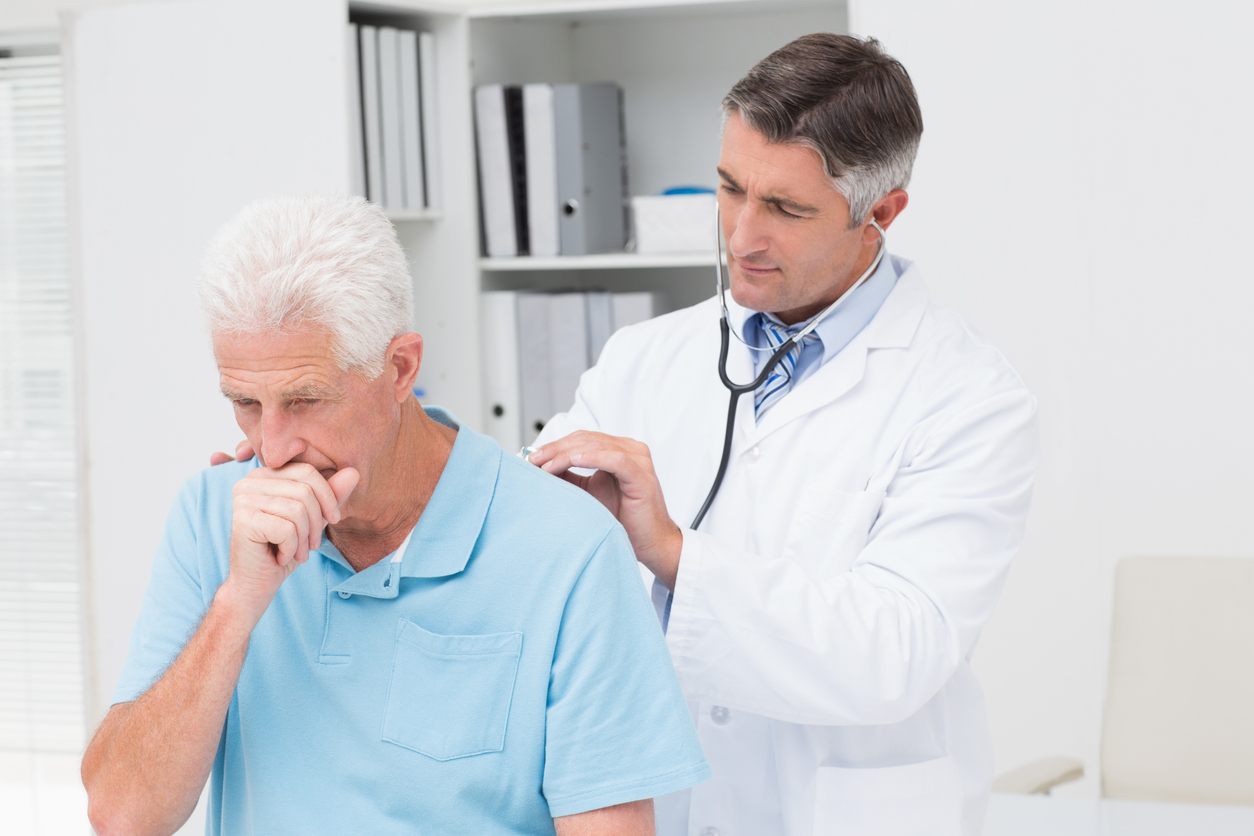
(709, 831)
(346, 595)
(755, 452)
(720, 715)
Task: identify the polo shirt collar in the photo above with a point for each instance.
(445, 536)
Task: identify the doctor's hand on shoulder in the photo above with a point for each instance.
(625, 482)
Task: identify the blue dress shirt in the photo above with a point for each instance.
(836, 331)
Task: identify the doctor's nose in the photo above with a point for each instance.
(747, 231)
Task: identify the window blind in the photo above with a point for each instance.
(41, 682)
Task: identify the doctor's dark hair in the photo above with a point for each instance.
(848, 100)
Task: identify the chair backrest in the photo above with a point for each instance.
(1179, 719)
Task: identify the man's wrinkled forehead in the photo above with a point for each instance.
(295, 365)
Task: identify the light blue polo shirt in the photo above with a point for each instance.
(507, 669)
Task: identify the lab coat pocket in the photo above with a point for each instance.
(918, 799)
(830, 529)
(450, 695)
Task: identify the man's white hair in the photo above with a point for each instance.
(328, 261)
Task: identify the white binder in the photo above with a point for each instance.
(411, 122)
(430, 120)
(534, 359)
(501, 384)
(390, 118)
(495, 177)
(600, 306)
(541, 153)
(591, 168)
(370, 112)
(630, 308)
(356, 142)
(568, 348)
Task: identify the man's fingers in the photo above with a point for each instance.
(323, 496)
(279, 519)
(312, 491)
(273, 523)
(219, 458)
(342, 482)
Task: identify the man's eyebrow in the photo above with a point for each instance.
(231, 395)
(784, 202)
(309, 390)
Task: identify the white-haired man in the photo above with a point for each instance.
(381, 624)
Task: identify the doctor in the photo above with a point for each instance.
(823, 615)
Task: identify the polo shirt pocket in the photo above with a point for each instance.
(450, 695)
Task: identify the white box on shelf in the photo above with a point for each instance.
(673, 222)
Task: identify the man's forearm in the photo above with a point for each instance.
(146, 765)
(635, 818)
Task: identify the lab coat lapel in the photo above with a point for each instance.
(893, 327)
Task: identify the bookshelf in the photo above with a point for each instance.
(601, 261)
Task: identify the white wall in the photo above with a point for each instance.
(1081, 196)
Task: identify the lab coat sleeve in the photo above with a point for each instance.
(871, 643)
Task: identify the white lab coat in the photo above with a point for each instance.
(825, 613)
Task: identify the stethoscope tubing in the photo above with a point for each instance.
(738, 389)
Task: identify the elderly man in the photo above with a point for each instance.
(381, 624)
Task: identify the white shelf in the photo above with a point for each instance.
(571, 10)
(413, 214)
(602, 261)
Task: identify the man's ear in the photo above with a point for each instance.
(887, 208)
(403, 360)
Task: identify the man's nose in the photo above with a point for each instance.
(748, 234)
(280, 442)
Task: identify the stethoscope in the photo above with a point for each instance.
(725, 331)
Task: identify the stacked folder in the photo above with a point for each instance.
(552, 169)
(393, 89)
(537, 345)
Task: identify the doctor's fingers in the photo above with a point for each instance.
(581, 447)
(256, 493)
(243, 452)
(633, 471)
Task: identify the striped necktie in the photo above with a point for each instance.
(780, 381)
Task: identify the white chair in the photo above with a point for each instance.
(1179, 718)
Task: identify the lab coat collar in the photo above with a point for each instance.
(446, 533)
(893, 326)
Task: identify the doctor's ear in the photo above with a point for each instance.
(885, 211)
